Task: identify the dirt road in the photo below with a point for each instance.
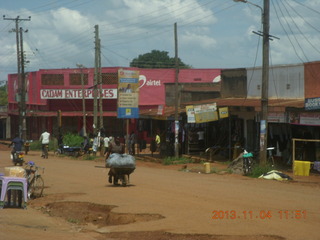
(161, 203)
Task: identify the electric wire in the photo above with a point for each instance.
(283, 28)
(311, 9)
(306, 38)
(292, 32)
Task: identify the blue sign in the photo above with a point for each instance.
(312, 103)
(128, 112)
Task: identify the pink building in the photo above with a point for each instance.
(51, 90)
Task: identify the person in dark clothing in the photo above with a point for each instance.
(17, 144)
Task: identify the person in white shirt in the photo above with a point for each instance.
(44, 139)
(106, 141)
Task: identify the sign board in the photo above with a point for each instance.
(223, 112)
(190, 114)
(276, 117)
(160, 110)
(76, 93)
(128, 93)
(312, 103)
(206, 113)
(202, 113)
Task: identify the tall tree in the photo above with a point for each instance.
(156, 59)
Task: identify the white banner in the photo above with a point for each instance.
(76, 93)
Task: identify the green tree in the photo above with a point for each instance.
(3, 95)
(156, 59)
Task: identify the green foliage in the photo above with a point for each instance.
(258, 170)
(174, 160)
(72, 140)
(36, 145)
(3, 95)
(69, 139)
(156, 59)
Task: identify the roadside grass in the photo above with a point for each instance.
(200, 168)
(175, 161)
(258, 170)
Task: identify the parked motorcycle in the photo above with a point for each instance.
(17, 158)
(68, 151)
(247, 162)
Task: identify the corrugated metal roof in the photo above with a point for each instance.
(153, 112)
(276, 105)
(215, 88)
(251, 102)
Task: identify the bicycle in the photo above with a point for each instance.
(45, 151)
(247, 162)
(34, 180)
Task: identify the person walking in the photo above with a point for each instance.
(96, 144)
(45, 139)
(158, 142)
(106, 142)
(115, 147)
(132, 142)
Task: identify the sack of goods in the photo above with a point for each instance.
(117, 160)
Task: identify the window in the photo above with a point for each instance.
(109, 78)
(52, 79)
(75, 79)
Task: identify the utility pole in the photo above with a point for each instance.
(95, 82)
(23, 91)
(100, 91)
(265, 12)
(176, 113)
(265, 85)
(83, 101)
(21, 79)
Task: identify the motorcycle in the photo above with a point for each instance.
(69, 151)
(17, 158)
(87, 149)
(247, 162)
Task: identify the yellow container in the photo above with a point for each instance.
(207, 167)
(301, 168)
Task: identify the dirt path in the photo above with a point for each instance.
(161, 202)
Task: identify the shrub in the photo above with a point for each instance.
(69, 139)
(72, 140)
(258, 170)
(36, 145)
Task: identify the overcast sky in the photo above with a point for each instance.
(211, 33)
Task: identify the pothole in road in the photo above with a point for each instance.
(100, 215)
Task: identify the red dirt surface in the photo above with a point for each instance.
(161, 202)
